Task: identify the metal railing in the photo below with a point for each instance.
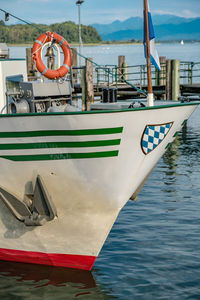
(112, 75)
(189, 72)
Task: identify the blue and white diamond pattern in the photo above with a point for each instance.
(153, 135)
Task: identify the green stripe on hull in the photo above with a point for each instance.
(46, 145)
(99, 131)
(60, 156)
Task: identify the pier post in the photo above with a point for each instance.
(190, 69)
(74, 65)
(157, 77)
(87, 85)
(30, 66)
(125, 71)
(83, 88)
(175, 79)
(162, 70)
(160, 76)
(121, 63)
(168, 88)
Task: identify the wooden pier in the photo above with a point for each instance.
(176, 79)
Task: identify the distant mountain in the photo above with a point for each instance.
(170, 19)
(131, 23)
(167, 27)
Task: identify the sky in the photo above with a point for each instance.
(94, 11)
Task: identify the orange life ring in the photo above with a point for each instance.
(37, 57)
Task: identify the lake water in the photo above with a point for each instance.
(153, 250)
(108, 54)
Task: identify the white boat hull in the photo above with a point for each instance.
(91, 164)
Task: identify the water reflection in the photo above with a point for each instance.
(185, 149)
(179, 166)
(191, 143)
(42, 282)
(171, 156)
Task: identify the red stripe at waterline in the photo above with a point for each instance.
(82, 262)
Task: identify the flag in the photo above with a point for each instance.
(153, 52)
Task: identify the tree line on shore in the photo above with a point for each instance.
(19, 33)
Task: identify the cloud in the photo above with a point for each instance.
(39, 1)
(181, 13)
(190, 14)
(104, 11)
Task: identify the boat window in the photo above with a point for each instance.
(12, 82)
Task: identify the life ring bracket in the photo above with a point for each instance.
(43, 39)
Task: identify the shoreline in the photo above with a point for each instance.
(76, 44)
(105, 43)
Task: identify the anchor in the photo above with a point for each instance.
(40, 210)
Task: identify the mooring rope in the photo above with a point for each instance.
(79, 54)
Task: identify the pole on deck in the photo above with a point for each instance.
(150, 97)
